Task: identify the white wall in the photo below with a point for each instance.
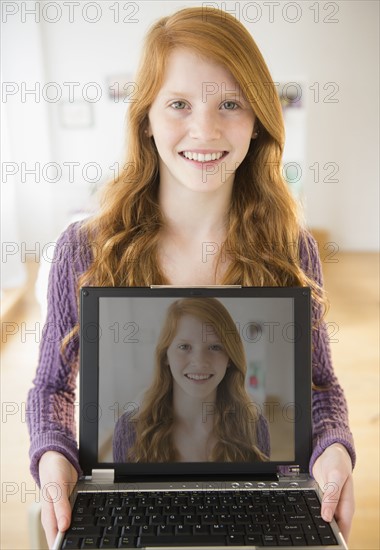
(345, 133)
(27, 219)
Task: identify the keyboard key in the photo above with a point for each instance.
(179, 501)
(97, 500)
(227, 519)
(122, 520)
(90, 542)
(183, 530)
(83, 520)
(105, 521)
(177, 542)
(253, 529)
(130, 530)
(328, 539)
(183, 510)
(156, 519)
(218, 529)
(242, 519)
(312, 539)
(108, 542)
(209, 519)
(312, 497)
(127, 542)
(284, 540)
(236, 529)
(201, 529)
(301, 508)
(72, 542)
(169, 509)
(139, 520)
(190, 519)
(148, 530)
(323, 528)
(103, 511)
(287, 508)
(112, 531)
(299, 518)
(258, 518)
(269, 540)
(290, 529)
(309, 528)
(270, 529)
(85, 531)
(165, 530)
(133, 510)
(113, 501)
(298, 540)
(174, 519)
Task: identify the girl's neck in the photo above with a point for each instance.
(191, 215)
(192, 412)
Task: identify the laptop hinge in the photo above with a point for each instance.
(103, 475)
(195, 286)
(288, 471)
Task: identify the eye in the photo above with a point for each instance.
(216, 347)
(178, 105)
(184, 347)
(230, 105)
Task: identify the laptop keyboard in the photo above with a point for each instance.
(229, 518)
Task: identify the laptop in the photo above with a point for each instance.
(195, 421)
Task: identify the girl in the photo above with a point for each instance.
(203, 165)
(196, 408)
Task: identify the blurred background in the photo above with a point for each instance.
(67, 79)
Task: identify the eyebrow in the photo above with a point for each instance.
(216, 341)
(228, 93)
(175, 94)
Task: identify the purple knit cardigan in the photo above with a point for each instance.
(51, 401)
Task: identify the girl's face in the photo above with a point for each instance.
(197, 359)
(201, 124)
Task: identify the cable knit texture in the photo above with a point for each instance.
(51, 401)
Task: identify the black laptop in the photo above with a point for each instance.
(195, 421)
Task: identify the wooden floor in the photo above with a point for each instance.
(353, 287)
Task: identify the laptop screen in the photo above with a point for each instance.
(194, 377)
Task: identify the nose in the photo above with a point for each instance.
(199, 360)
(205, 125)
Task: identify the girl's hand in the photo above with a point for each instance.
(333, 472)
(58, 477)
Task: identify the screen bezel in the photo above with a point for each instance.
(89, 382)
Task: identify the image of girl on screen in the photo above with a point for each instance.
(197, 407)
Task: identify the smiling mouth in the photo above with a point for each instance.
(199, 376)
(203, 157)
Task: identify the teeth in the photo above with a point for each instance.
(200, 157)
(198, 376)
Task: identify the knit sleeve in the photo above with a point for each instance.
(329, 407)
(51, 401)
(263, 437)
(123, 438)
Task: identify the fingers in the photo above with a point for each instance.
(56, 510)
(62, 508)
(331, 495)
(346, 508)
(49, 522)
(333, 472)
(58, 478)
(338, 501)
